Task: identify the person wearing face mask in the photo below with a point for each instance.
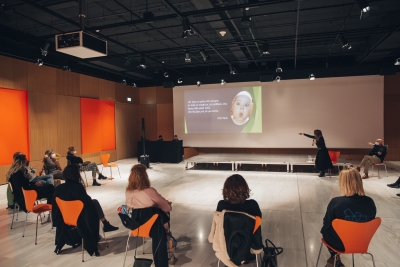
(51, 164)
(84, 166)
(376, 155)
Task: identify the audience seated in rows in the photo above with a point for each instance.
(88, 222)
(84, 166)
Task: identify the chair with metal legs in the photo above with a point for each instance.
(104, 160)
(142, 231)
(16, 206)
(355, 236)
(30, 199)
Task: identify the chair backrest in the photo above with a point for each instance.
(257, 224)
(334, 155)
(104, 159)
(70, 210)
(356, 236)
(30, 197)
(144, 229)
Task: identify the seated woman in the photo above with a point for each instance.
(88, 223)
(352, 200)
(92, 166)
(139, 194)
(51, 165)
(19, 177)
(235, 198)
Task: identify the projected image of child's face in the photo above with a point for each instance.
(241, 109)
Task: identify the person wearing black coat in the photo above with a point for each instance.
(19, 178)
(88, 221)
(323, 161)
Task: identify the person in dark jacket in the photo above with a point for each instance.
(90, 166)
(352, 205)
(376, 155)
(235, 198)
(51, 164)
(18, 176)
(88, 221)
(323, 161)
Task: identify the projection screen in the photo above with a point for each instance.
(348, 110)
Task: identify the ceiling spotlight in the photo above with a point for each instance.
(128, 60)
(143, 63)
(187, 57)
(222, 33)
(312, 77)
(128, 99)
(232, 70)
(204, 55)
(187, 31)
(364, 6)
(123, 81)
(66, 68)
(44, 49)
(166, 75)
(343, 42)
(397, 62)
(180, 80)
(278, 79)
(278, 67)
(134, 84)
(198, 83)
(265, 49)
(39, 62)
(223, 82)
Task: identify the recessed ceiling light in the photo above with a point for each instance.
(128, 99)
(222, 33)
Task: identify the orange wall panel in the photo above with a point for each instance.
(14, 134)
(97, 125)
(107, 122)
(90, 126)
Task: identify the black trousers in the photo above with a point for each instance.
(98, 209)
(45, 191)
(159, 246)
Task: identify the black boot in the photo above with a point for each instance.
(95, 183)
(321, 174)
(107, 227)
(101, 176)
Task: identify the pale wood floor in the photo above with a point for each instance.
(293, 206)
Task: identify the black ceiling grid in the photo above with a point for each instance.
(301, 35)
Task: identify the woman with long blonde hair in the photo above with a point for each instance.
(352, 205)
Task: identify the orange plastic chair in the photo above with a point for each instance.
(30, 199)
(334, 155)
(257, 224)
(141, 231)
(355, 236)
(70, 211)
(104, 160)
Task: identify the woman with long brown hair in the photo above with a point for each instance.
(323, 161)
(352, 205)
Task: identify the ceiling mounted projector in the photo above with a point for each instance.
(80, 44)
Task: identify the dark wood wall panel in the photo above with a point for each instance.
(122, 92)
(41, 79)
(69, 126)
(89, 86)
(392, 116)
(43, 124)
(20, 69)
(149, 112)
(68, 83)
(107, 90)
(6, 72)
(147, 95)
(128, 130)
(164, 95)
(165, 121)
(3, 171)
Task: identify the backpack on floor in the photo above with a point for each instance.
(270, 254)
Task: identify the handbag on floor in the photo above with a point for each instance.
(270, 254)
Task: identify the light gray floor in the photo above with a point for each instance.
(293, 206)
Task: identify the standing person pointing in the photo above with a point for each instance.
(322, 160)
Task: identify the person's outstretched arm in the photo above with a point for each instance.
(307, 135)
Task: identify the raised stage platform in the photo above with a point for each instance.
(290, 161)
